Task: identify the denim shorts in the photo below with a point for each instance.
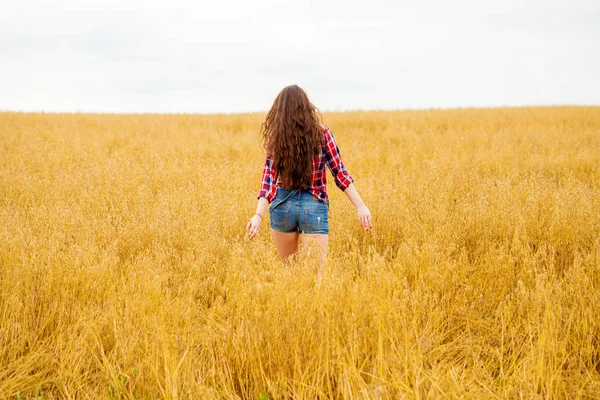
(299, 211)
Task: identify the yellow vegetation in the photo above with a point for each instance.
(125, 272)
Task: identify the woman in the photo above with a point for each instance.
(293, 181)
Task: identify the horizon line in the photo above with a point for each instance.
(350, 110)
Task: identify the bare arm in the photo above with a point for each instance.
(353, 196)
(266, 195)
(256, 220)
(363, 212)
(344, 181)
(261, 208)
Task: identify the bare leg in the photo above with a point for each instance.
(286, 243)
(322, 242)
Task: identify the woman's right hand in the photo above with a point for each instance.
(364, 217)
(253, 225)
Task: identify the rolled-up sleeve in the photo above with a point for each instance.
(268, 187)
(334, 162)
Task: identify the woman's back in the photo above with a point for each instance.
(329, 156)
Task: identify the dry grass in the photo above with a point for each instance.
(124, 271)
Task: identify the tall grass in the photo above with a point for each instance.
(125, 272)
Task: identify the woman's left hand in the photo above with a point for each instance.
(253, 225)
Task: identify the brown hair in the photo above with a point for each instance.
(292, 134)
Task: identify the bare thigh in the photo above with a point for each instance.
(320, 240)
(286, 243)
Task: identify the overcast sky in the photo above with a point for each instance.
(235, 56)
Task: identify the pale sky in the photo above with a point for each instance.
(234, 56)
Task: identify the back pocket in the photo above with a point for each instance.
(315, 217)
(279, 217)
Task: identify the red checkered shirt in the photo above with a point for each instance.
(329, 154)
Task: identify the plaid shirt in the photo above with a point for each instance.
(330, 155)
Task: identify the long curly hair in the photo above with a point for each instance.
(291, 134)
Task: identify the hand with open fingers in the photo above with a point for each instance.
(254, 225)
(364, 217)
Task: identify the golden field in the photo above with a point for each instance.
(125, 272)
